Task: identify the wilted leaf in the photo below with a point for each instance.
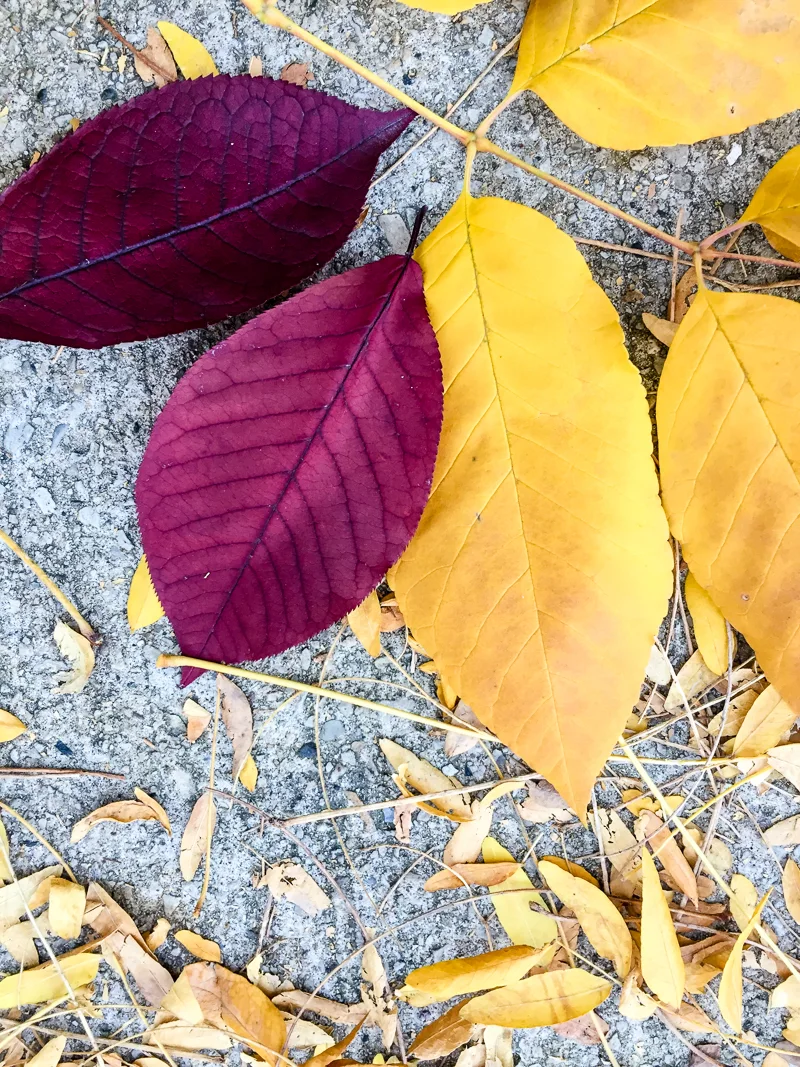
(513, 904)
(443, 1036)
(72, 645)
(634, 1003)
(10, 726)
(376, 995)
(297, 1000)
(18, 941)
(303, 1034)
(776, 205)
(693, 677)
(190, 55)
(730, 987)
(710, 630)
(365, 622)
(423, 777)
(158, 935)
(471, 974)
(698, 975)
(657, 669)
(743, 900)
(662, 72)
(457, 744)
(144, 607)
(542, 1000)
(619, 844)
(199, 946)
(120, 811)
(297, 74)
(332, 1055)
(154, 981)
(155, 50)
(155, 807)
(583, 1029)
(785, 832)
(666, 848)
(689, 1018)
(275, 201)
(766, 722)
(179, 1036)
(465, 844)
(197, 719)
(791, 889)
(544, 803)
(472, 874)
(66, 907)
(195, 836)
(49, 1055)
(603, 925)
(662, 964)
(106, 917)
(664, 331)
(291, 881)
(16, 895)
(44, 983)
(238, 718)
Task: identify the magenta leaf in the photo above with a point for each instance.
(186, 205)
(289, 468)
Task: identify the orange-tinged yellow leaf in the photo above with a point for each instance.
(43, 983)
(471, 974)
(728, 407)
(10, 726)
(422, 776)
(730, 986)
(661, 72)
(144, 607)
(513, 905)
(709, 627)
(119, 811)
(545, 487)
(191, 56)
(791, 889)
(471, 874)
(672, 859)
(603, 925)
(776, 205)
(199, 946)
(248, 775)
(662, 965)
(542, 1000)
(365, 622)
(67, 904)
(445, 7)
(764, 725)
(443, 1036)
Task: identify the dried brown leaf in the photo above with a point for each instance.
(297, 74)
(443, 1036)
(472, 874)
(195, 836)
(238, 718)
(291, 881)
(197, 719)
(156, 50)
(75, 648)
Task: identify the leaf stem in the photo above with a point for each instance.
(712, 239)
(496, 112)
(210, 813)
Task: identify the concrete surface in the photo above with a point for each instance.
(74, 425)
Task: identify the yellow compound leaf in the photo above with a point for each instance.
(199, 946)
(513, 906)
(44, 983)
(709, 627)
(776, 205)
(662, 964)
(791, 889)
(453, 978)
(603, 925)
(191, 56)
(542, 1000)
(730, 986)
(144, 607)
(764, 725)
(728, 406)
(10, 726)
(540, 570)
(365, 622)
(661, 72)
(66, 907)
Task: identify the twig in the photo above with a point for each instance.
(55, 772)
(167, 75)
(609, 247)
(210, 807)
(674, 278)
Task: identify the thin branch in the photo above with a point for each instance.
(55, 772)
(143, 57)
(210, 808)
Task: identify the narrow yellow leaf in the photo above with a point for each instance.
(728, 406)
(191, 56)
(158, 935)
(603, 925)
(443, 1036)
(177, 1035)
(44, 983)
(199, 946)
(460, 874)
(661, 72)
(776, 205)
(195, 836)
(155, 807)
(10, 726)
(66, 907)
(542, 1000)
(48, 1055)
(6, 872)
(693, 677)
(571, 868)
(144, 607)
(709, 627)
(523, 926)
(365, 622)
(16, 895)
(666, 848)
(662, 964)
(791, 889)
(743, 901)
(248, 775)
(120, 811)
(730, 986)
(764, 725)
(544, 487)
(454, 978)
(465, 844)
(444, 7)
(423, 777)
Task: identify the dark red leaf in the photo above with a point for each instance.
(291, 464)
(186, 205)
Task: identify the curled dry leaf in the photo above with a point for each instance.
(291, 881)
(106, 917)
(634, 1003)
(513, 905)
(332, 1055)
(15, 896)
(10, 726)
(199, 946)
(238, 718)
(689, 1018)
(791, 889)
(144, 607)
(766, 722)
(710, 630)
(153, 804)
(120, 811)
(443, 1036)
(155, 50)
(542, 1000)
(471, 874)
(457, 744)
(785, 832)
(67, 904)
(44, 983)
(365, 622)
(586, 1029)
(662, 965)
(296, 1000)
(197, 719)
(158, 935)
(544, 803)
(693, 677)
(666, 848)
(603, 925)
(620, 846)
(730, 986)
(297, 74)
(423, 777)
(376, 995)
(190, 55)
(471, 974)
(195, 836)
(465, 844)
(154, 981)
(77, 649)
(18, 941)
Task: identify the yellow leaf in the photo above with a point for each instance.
(743, 901)
(6, 872)
(144, 607)
(66, 907)
(191, 56)
(693, 677)
(248, 775)
(425, 778)
(10, 726)
(470, 874)
(662, 329)
(16, 895)
(453, 978)
(75, 648)
(158, 935)
(155, 807)
(444, 7)
(365, 622)
(523, 926)
(662, 965)
(120, 811)
(786, 761)
(764, 725)
(49, 1055)
(791, 889)
(18, 941)
(634, 1003)
(334, 1052)
(44, 983)
(665, 847)
(443, 1036)
(776, 205)
(709, 627)
(698, 975)
(199, 946)
(571, 868)
(727, 411)
(197, 719)
(661, 72)
(785, 832)
(603, 925)
(730, 986)
(689, 1018)
(465, 844)
(542, 1000)
(544, 490)
(177, 1035)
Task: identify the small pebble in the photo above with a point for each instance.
(307, 751)
(109, 94)
(734, 154)
(395, 231)
(332, 730)
(58, 436)
(449, 769)
(46, 503)
(17, 436)
(65, 750)
(90, 517)
(41, 96)
(349, 759)
(486, 36)
(639, 162)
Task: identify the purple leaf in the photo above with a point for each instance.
(186, 205)
(291, 464)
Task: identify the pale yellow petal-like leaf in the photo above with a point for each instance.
(785, 832)
(158, 935)
(248, 775)
(764, 725)
(191, 56)
(730, 986)
(18, 941)
(791, 889)
(50, 1054)
(603, 925)
(305, 1034)
(465, 844)
(743, 901)
(120, 811)
(772, 1059)
(709, 627)
(197, 719)
(44, 983)
(785, 759)
(619, 844)
(195, 836)
(6, 873)
(291, 881)
(443, 1036)
(634, 1003)
(365, 622)
(571, 868)
(238, 718)
(471, 974)
(184, 1038)
(542, 1000)
(66, 907)
(199, 946)
(661, 72)
(662, 965)
(728, 407)
(545, 487)
(15, 895)
(10, 726)
(144, 607)
(513, 906)
(423, 777)
(693, 677)
(776, 205)
(689, 1018)
(444, 7)
(77, 649)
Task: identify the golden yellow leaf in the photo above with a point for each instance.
(660, 72)
(66, 907)
(75, 648)
(698, 975)
(471, 974)
(545, 487)
(689, 1018)
(730, 986)
(6, 872)
(444, 7)
(248, 775)
(776, 205)
(155, 807)
(305, 1035)
(471, 874)
(542, 1000)
(44, 983)
(443, 1036)
(199, 946)
(16, 895)
(727, 411)
(743, 900)
(423, 777)
(365, 622)
(465, 844)
(120, 811)
(662, 965)
(603, 925)
(785, 832)
(666, 848)
(620, 846)
(693, 677)
(571, 868)
(764, 725)
(791, 889)
(177, 1035)
(195, 836)
(144, 607)
(634, 1003)
(48, 1055)
(10, 726)
(513, 907)
(158, 935)
(197, 719)
(709, 627)
(191, 56)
